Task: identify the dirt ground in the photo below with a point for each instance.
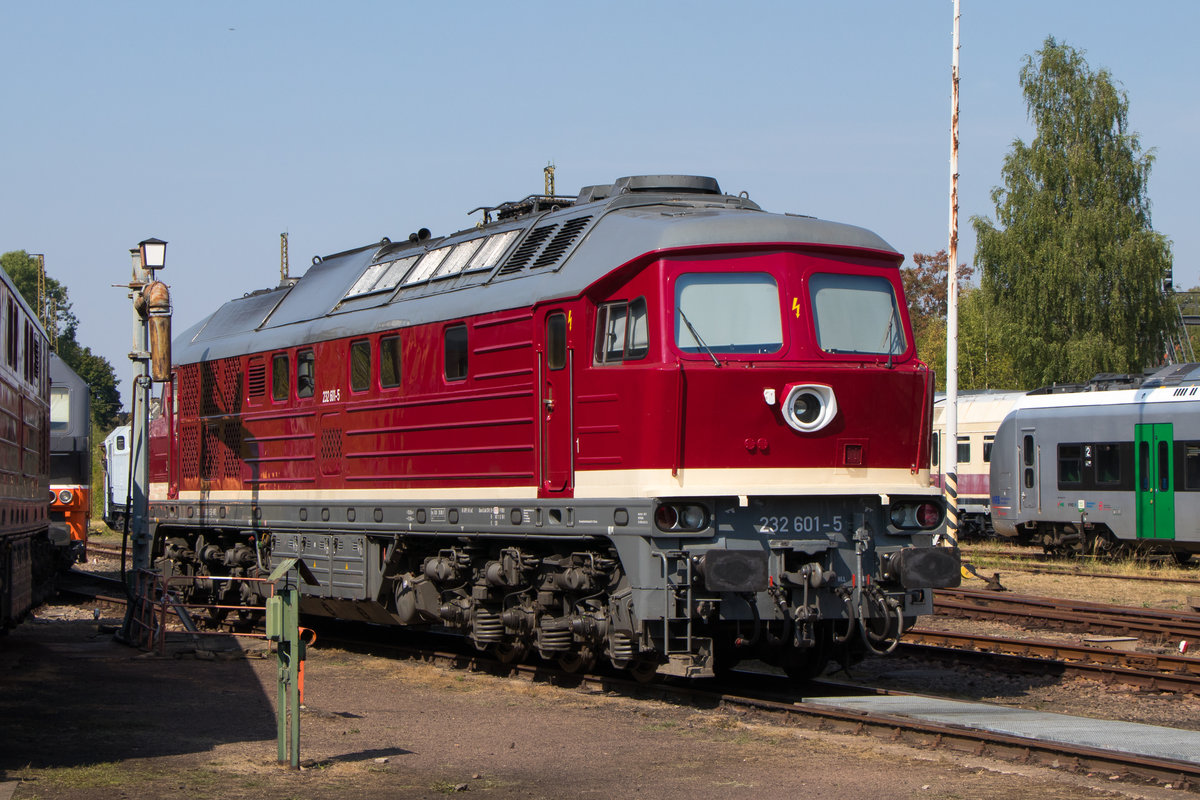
(84, 717)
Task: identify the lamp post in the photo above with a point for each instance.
(149, 257)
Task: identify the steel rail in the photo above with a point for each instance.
(1143, 670)
(1090, 616)
(812, 714)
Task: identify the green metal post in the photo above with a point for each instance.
(283, 628)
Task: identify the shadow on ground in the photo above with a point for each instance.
(71, 695)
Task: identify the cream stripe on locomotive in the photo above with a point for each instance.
(616, 483)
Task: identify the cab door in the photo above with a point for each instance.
(1155, 476)
(555, 405)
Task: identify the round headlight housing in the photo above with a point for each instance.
(65, 497)
(809, 407)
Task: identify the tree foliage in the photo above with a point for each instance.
(94, 369)
(1073, 262)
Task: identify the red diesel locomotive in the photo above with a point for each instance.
(651, 424)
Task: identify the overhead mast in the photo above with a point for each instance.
(950, 445)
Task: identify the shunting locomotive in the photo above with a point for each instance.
(651, 425)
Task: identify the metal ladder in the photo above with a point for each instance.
(677, 602)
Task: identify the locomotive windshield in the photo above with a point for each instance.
(856, 314)
(727, 312)
(60, 408)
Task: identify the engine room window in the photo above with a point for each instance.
(305, 373)
(622, 332)
(856, 314)
(389, 362)
(456, 352)
(556, 341)
(280, 379)
(1070, 464)
(720, 312)
(360, 366)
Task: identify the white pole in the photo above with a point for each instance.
(950, 446)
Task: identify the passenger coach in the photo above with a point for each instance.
(1091, 471)
(651, 424)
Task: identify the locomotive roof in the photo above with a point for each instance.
(540, 248)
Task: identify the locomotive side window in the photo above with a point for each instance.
(455, 340)
(1070, 464)
(856, 314)
(717, 312)
(556, 341)
(389, 362)
(621, 332)
(360, 366)
(305, 373)
(281, 380)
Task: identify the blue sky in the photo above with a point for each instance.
(219, 125)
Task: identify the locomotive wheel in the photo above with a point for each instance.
(580, 661)
(510, 652)
(643, 671)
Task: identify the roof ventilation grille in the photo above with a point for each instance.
(561, 242)
(527, 249)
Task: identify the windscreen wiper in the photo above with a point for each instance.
(696, 336)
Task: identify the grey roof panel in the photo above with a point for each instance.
(634, 220)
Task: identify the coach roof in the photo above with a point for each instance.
(541, 248)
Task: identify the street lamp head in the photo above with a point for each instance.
(154, 253)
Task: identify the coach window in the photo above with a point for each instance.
(622, 332)
(1108, 463)
(360, 366)
(455, 342)
(964, 449)
(305, 373)
(1191, 465)
(988, 441)
(389, 362)
(1028, 455)
(1070, 464)
(556, 341)
(280, 378)
(934, 451)
(721, 312)
(12, 333)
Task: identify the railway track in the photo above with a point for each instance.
(1148, 671)
(1157, 625)
(769, 697)
(772, 697)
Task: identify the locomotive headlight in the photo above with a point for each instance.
(809, 407)
(681, 517)
(65, 497)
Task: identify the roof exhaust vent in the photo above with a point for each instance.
(670, 184)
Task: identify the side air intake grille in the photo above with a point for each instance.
(561, 242)
(527, 249)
